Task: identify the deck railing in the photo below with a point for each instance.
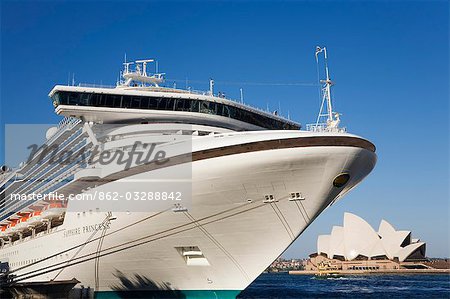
(322, 127)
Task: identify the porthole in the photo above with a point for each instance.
(341, 180)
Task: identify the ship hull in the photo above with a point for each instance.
(238, 231)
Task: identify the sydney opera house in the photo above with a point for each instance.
(357, 246)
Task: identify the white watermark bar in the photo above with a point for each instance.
(128, 168)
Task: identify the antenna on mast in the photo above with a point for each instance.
(332, 119)
(136, 74)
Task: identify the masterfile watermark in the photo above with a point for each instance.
(101, 195)
(140, 153)
(118, 168)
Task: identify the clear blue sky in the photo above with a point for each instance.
(390, 62)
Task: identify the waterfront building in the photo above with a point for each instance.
(357, 246)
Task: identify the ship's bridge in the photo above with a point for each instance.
(162, 105)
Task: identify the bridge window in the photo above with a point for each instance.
(219, 109)
(144, 103)
(226, 111)
(136, 103)
(195, 106)
(73, 99)
(108, 101)
(161, 103)
(212, 108)
(84, 99)
(152, 103)
(182, 105)
(204, 107)
(170, 104)
(126, 102)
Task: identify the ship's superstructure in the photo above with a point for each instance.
(255, 182)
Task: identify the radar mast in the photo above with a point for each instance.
(327, 119)
(139, 75)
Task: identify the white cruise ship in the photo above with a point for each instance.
(252, 182)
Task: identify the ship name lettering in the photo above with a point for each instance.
(95, 227)
(72, 232)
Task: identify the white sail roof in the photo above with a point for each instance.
(391, 239)
(354, 228)
(323, 243)
(336, 246)
(356, 239)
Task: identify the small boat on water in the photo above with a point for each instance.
(328, 274)
(326, 270)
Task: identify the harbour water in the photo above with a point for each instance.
(283, 285)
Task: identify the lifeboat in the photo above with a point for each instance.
(2, 231)
(11, 227)
(35, 218)
(22, 223)
(53, 210)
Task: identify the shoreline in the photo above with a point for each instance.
(365, 272)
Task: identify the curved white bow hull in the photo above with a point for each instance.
(238, 231)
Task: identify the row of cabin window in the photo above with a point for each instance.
(189, 105)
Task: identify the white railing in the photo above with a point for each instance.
(66, 121)
(322, 127)
(96, 85)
